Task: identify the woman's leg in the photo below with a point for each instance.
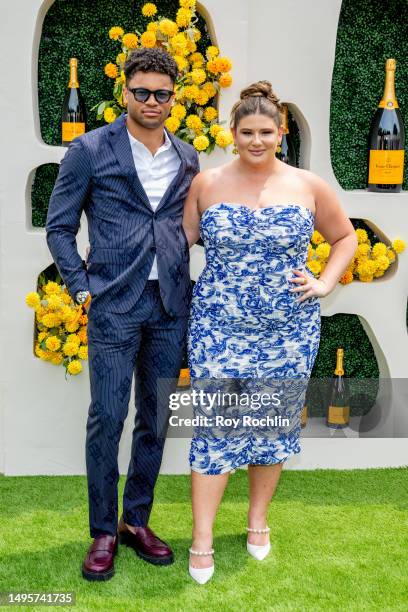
(206, 495)
(263, 480)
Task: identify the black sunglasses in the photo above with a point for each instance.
(142, 95)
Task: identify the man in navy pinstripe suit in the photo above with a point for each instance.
(131, 179)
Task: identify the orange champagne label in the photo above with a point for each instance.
(72, 130)
(338, 415)
(184, 378)
(386, 167)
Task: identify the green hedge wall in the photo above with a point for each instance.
(74, 28)
(368, 33)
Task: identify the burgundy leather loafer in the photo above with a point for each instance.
(98, 564)
(146, 544)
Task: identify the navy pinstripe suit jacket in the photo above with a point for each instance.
(98, 176)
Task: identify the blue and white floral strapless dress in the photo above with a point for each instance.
(246, 325)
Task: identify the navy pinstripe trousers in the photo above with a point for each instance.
(149, 343)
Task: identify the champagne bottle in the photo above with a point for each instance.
(73, 108)
(303, 417)
(338, 413)
(286, 150)
(184, 375)
(387, 140)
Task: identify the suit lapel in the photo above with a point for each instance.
(123, 151)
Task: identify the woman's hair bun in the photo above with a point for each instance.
(261, 88)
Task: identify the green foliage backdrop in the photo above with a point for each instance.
(368, 33)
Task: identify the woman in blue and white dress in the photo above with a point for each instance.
(255, 313)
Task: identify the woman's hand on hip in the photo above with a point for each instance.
(308, 285)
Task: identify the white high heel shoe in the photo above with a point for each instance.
(201, 574)
(258, 552)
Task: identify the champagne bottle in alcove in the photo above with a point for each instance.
(338, 412)
(73, 122)
(286, 150)
(387, 140)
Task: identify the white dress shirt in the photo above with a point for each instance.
(155, 172)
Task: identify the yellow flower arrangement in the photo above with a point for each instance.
(369, 261)
(203, 74)
(60, 325)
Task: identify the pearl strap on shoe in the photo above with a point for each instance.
(200, 553)
(251, 530)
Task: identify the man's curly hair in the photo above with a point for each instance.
(150, 59)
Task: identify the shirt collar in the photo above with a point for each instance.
(138, 144)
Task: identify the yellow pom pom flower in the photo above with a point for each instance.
(317, 238)
(194, 123)
(181, 62)
(212, 52)
(57, 359)
(168, 27)
(54, 302)
(224, 64)
(149, 9)
(212, 67)
(224, 138)
(41, 336)
(191, 46)
(378, 250)
(362, 236)
(115, 33)
(111, 70)
(82, 333)
(383, 263)
(201, 98)
(183, 17)
(172, 124)
(210, 113)
(53, 343)
(190, 92)
(198, 76)
(74, 338)
(201, 142)
(179, 44)
(209, 89)
(74, 367)
(323, 251)
(189, 4)
(314, 266)
(398, 245)
(72, 327)
(178, 111)
(148, 39)
(153, 26)
(391, 255)
(83, 352)
(121, 58)
(225, 80)
(50, 320)
(130, 40)
(32, 299)
(363, 250)
(109, 115)
(52, 287)
(347, 278)
(215, 129)
(70, 349)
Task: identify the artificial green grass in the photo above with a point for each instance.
(340, 541)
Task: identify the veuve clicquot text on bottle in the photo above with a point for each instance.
(73, 122)
(387, 140)
(338, 412)
(286, 150)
